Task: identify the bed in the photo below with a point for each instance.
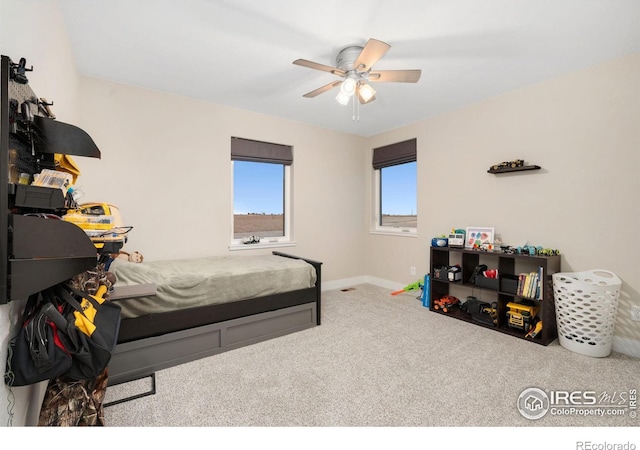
(179, 311)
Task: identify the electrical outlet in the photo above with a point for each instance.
(412, 270)
(635, 313)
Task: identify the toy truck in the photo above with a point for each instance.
(446, 303)
(522, 316)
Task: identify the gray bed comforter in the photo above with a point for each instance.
(188, 283)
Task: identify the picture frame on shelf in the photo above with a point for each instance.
(479, 236)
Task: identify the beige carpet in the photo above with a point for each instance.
(378, 361)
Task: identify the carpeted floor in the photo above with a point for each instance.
(379, 361)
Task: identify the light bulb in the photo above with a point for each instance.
(366, 92)
(343, 98)
(348, 86)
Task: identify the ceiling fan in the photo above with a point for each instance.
(354, 64)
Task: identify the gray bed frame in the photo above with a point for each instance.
(159, 341)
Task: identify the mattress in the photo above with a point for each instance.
(188, 283)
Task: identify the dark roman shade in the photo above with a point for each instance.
(257, 151)
(394, 154)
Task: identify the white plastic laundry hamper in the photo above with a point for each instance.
(586, 306)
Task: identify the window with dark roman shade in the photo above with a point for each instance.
(394, 154)
(257, 151)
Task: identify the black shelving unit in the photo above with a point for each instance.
(508, 265)
(35, 252)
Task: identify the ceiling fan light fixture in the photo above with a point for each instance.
(343, 98)
(348, 86)
(347, 89)
(366, 92)
(354, 64)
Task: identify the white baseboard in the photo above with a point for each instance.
(620, 345)
(365, 279)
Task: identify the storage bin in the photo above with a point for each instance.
(586, 304)
(487, 283)
(441, 273)
(509, 284)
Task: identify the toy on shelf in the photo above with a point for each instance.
(511, 166)
(456, 238)
(533, 332)
(536, 251)
(508, 164)
(522, 316)
(529, 250)
(440, 241)
(483, 312)
(547, 251)
(446, 303)
(486, 247)
(102, 223)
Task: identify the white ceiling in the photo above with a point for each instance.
(240, 52)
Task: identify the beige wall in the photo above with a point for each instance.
(166, 165)
(582, 129)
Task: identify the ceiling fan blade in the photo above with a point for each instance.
(322, 89)
(402, 76)
(318, 66)
(370, 54)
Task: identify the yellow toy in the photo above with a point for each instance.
(522, 316)
(533, 332)
(102, 223)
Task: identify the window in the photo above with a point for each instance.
(261, 188)
(395, 187)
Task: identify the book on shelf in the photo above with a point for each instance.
(540, 282)
(520, 288)
(529, 284)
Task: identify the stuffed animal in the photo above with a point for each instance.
(135, 257)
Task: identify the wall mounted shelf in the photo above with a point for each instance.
(513, 169)
(35, 252)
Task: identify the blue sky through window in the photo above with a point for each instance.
(258, 188)
(399, 190)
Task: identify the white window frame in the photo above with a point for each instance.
(268, 242)
(376, 228)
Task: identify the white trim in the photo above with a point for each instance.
(287, 204)
(273, 241)
(404, 232)
(375, 210)
(375, 227)
(231, 216)
(261, 244)
(365, 279)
